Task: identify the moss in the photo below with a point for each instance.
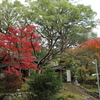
(68, 95)
(20, 99)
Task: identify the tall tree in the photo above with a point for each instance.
(62, 24)
(93, 46)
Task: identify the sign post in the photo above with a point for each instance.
(68, 75)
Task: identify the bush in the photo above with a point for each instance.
(45, 85)
(12, 82)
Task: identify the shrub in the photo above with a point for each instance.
(45, 85)
(12, 82)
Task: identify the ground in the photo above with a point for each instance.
(71, 91)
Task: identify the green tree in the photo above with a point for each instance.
(45, 85)
(79, 61)
(11, 14)
(62, 24)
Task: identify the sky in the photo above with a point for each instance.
(95, 5)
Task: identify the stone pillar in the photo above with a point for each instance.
(68, 75)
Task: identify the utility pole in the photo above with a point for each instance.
(96, 62)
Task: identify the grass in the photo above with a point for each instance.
(91, 87)
(24, 87)
(20, 99)
(69, 96)
(68, 92)
(66, 95)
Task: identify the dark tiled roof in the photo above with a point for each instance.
(59, 67)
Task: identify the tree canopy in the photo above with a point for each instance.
(60, 23)
(16, 48)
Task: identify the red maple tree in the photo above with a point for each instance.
(92, 45)
(17, 46)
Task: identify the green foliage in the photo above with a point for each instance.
(11, 15)
(45, 85)
(58, 21)
(80, 62)
(91, 70)
(61, 18)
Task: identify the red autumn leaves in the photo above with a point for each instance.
(92, 45)
(16, 47)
